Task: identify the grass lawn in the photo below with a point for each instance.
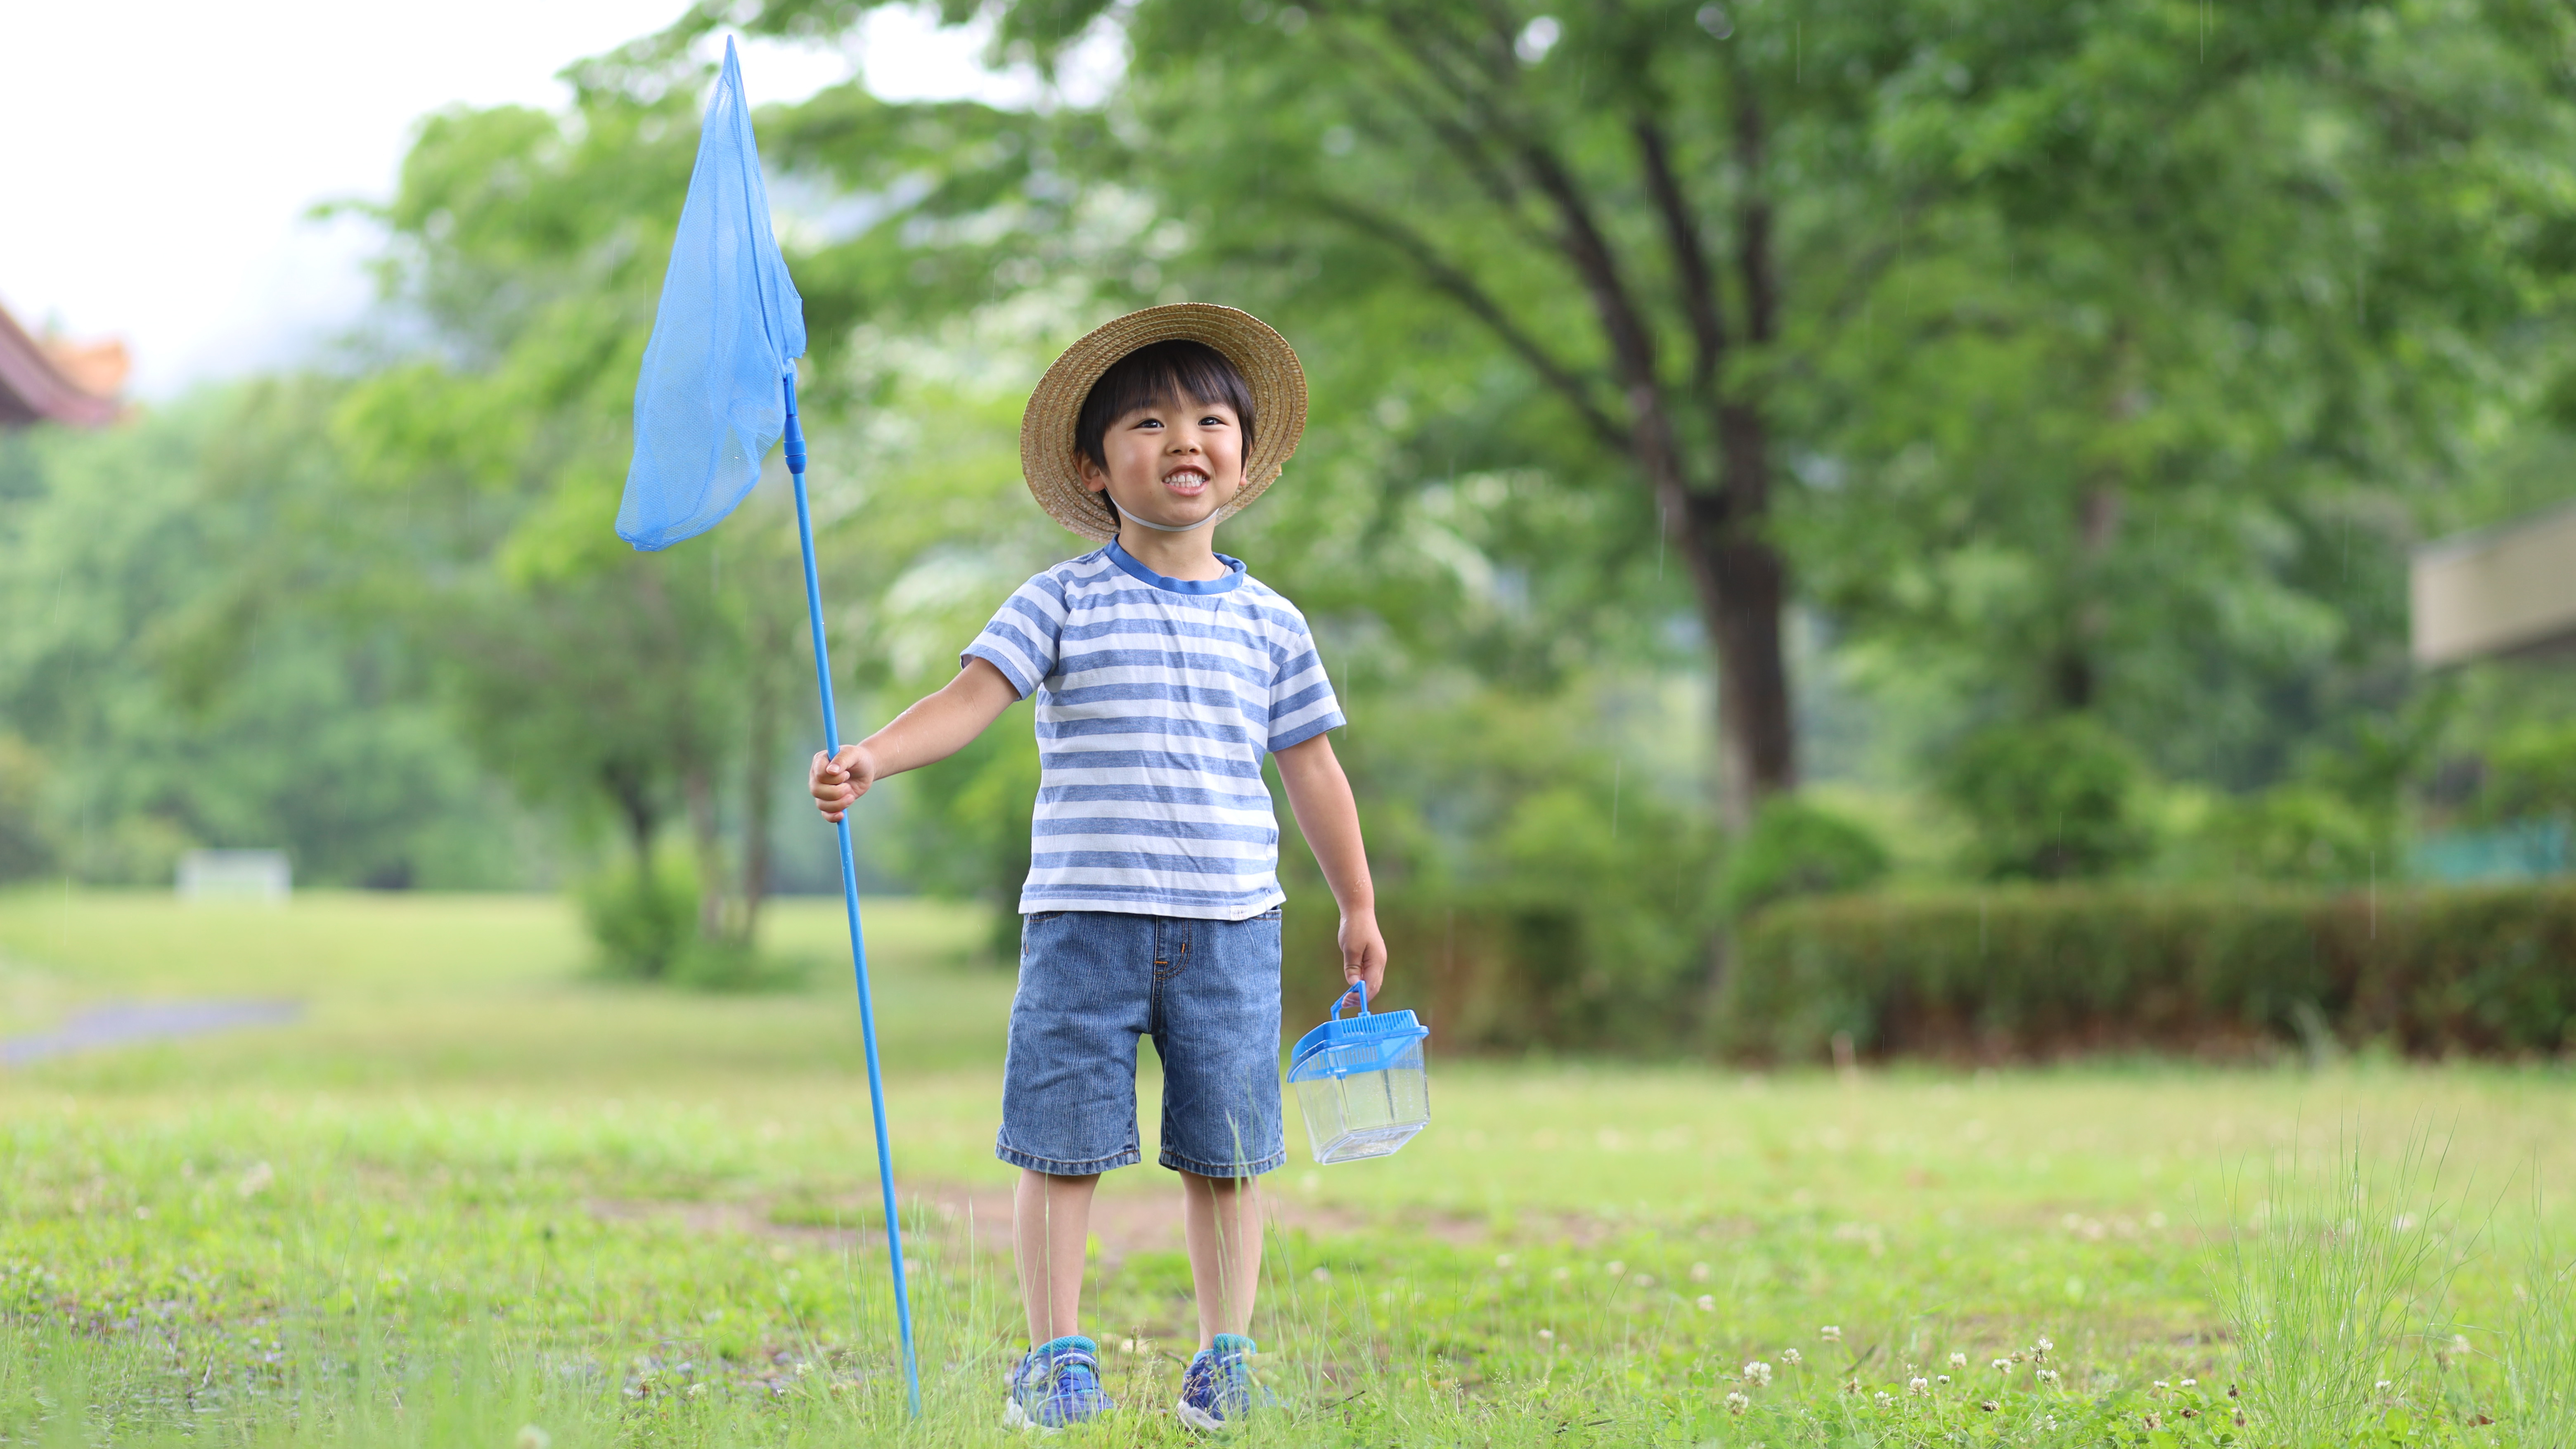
(472, 1196)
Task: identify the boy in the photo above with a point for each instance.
(1163, 674)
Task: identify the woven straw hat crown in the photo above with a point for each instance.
(1269, 367)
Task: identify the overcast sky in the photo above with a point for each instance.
(167, 152)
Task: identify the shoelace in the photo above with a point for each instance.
(1068, 1373)
(1224, 1378)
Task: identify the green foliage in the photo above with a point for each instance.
(2530, 773)
(2045, 972)
(1534, 893)
(1798, 849)
(643, 918)
(2294, 832)
(2053, 800)
(193, 659)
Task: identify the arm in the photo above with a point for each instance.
(1320, 796)
(938, 726)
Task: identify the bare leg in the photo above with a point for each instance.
(1050, 1223)
(1221, 1219)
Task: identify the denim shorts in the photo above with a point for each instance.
(1091, 983)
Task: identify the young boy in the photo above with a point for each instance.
(1163, 674)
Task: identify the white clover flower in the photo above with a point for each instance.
(1792, 1357)
(1918, 1385)
(1942, 1379)
(1883, 1398)
(1958, 1360)
(2380, 1387)
(2041, 1348)
(1708, 1303)
(2003, 1365)
(1547, 1335)
(2047, 1376)
(2191, 1383)
(1737, 1403)
(2459, 1343)
(1833, 1333)
(1699, 1272)
(1617, 1267)
(1759, 1372)
(2161, 1385)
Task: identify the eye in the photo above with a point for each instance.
(1211, 421)
(1144, 423)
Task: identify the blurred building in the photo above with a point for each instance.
(50, 380)
(2502, 592)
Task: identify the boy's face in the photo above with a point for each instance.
(1174, 463)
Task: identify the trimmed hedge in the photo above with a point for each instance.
(2049, 971)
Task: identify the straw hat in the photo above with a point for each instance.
(1268, 365)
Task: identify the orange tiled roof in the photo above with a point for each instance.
(56, 381)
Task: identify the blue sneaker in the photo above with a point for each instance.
(1056, 1384)
(1218, 1391)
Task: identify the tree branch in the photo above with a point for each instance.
(1690, 255)
(1446, 275)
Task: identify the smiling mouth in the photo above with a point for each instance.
(1185, 480)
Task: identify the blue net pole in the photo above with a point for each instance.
(850, 897)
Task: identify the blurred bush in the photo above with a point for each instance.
(645, 926)
(2044, 971)
(1575, 921)
(1798, 849)
(643, 918)
(2049, 800)
(2296, 832)
(2530, 773)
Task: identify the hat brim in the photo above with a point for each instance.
(1269, 366)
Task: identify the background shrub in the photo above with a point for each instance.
(1798, 849)
(2046, 971)
(2052, 800)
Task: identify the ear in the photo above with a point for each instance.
(1092, 475)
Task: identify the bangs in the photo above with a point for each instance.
(1161, 373)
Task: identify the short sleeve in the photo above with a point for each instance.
(1302, 705)
(1024, 635)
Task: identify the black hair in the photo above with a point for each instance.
(1161, 372)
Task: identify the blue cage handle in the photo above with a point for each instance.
(1359, 989)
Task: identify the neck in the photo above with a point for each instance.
(1175, 554)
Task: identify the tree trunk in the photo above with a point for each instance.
(698, 790)
(1742, 585)
(760, 752)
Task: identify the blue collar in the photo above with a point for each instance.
(1127, 563)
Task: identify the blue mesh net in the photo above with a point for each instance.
(709, 405)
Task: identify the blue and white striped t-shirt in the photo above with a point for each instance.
(1157, 699)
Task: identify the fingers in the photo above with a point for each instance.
(837, 780)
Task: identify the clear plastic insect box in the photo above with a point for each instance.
(1361, 1083)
